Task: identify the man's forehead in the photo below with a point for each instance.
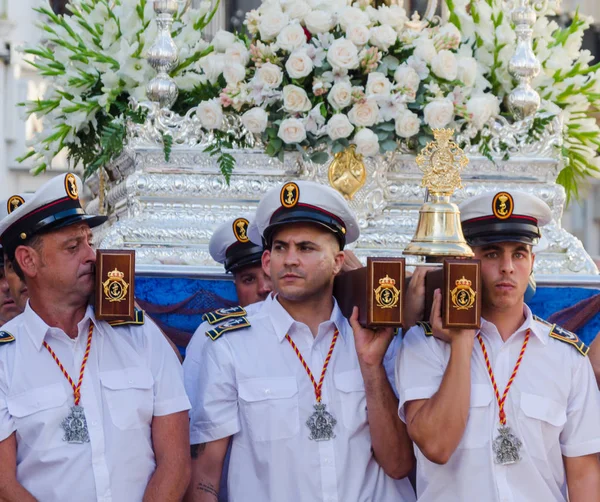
(503, 246)
(301, 232)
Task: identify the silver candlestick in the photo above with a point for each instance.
(524, 100)
(163, 56)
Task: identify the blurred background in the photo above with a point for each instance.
(18, 82)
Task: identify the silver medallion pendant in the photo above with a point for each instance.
(506, 446)
(75, 426)
(321, 424)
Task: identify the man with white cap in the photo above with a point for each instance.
(87, 411)
(509, 412)
(12, 289)
(230, 246)
(290, 385)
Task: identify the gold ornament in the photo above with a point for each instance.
(387, 295)
(347, 172)
(115, 287)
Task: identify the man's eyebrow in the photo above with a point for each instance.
(491, 247)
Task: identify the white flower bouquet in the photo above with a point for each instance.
(319, 76)
(94, 61)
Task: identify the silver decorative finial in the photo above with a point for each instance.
(163, 56)
(524, 100)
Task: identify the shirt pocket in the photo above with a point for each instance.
(270, 407)
(353, 398)
(478, 423)
(129, 396)
(38, 414)
(541, 422)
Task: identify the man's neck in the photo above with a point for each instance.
(311, 312)
(62, 316)
(507, 321)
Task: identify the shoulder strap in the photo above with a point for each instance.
(566, 336)
(223, 313)
(138, 321)
(6, 337)
(231, 325)
(426, 327)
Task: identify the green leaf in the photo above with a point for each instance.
(319, 157)
(167, 140)
(389, 145)
(387, 126)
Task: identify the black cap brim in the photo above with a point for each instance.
(483, 232)
(241, 255)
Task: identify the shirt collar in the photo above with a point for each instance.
(282, 321)
(37, 328)
(539, 329)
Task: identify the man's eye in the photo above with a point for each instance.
(491, 255)
(248, 280)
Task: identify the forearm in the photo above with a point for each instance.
(583, 478)
(168, 483)
(13, 491)
(207, 467)
(390, 442)
(439, 424)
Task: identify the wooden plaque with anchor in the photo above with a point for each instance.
(115, 283)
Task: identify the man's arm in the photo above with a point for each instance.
(10, 489)
(583, 477)
(207, 468)
(390, 442)
(170, 440)
(594, 355)
(437, 424)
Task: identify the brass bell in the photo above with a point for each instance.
(439, 232)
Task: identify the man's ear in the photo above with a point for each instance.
(29, 260)
(266, 262)
(338, 262)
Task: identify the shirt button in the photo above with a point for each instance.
(267, 391)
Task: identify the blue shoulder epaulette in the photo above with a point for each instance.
(566, 336)
(426, 327)
(6, 337)
(231, 325)
(543, 321)
(223, 313)
(138, 321)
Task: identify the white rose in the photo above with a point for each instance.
(358, 34)
(364, 114)
(292, 131)
(407, 77)
(343, 53)
(237, 53)
(318, 21)
(271, 23)
(482, 108)
(444, 65)
(407, 124)
(295, 99)
(223, 40)
(366, 143)
(291, 37)
(233, 73)
(383, 36)
(212, 66)
(424, 49)
(340, 95)
(339, 127)
(269, 75)
(394, 15)
(352, 15)
(297, 9)
(438, 113)
(210, 114)
(449, 36)
(467, 70)
(299, 64)
(255, 120)
(378, 86)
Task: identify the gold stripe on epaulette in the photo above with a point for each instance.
(138, 321)
(563, 335)
(232, 325)
(221, 314)
(6, 337)
(426, 327)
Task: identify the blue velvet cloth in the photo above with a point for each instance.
(179, 303)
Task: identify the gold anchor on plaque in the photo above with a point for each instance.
(439, 232)
(115, 287)
(463, 297)
(387, 295)
(347, 172)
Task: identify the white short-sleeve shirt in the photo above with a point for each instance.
(132, 374)
(253, 387)
(553, 407)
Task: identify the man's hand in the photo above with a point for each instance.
(371, 345)
(414, 298)
(351, 261)
(446, 335)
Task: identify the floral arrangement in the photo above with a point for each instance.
(567, 84)
(94, 61)
(313, 76)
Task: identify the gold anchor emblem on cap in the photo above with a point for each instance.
(290, 195)
(71, 186)
(240, 229)
(13, 203)
(503, 205)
